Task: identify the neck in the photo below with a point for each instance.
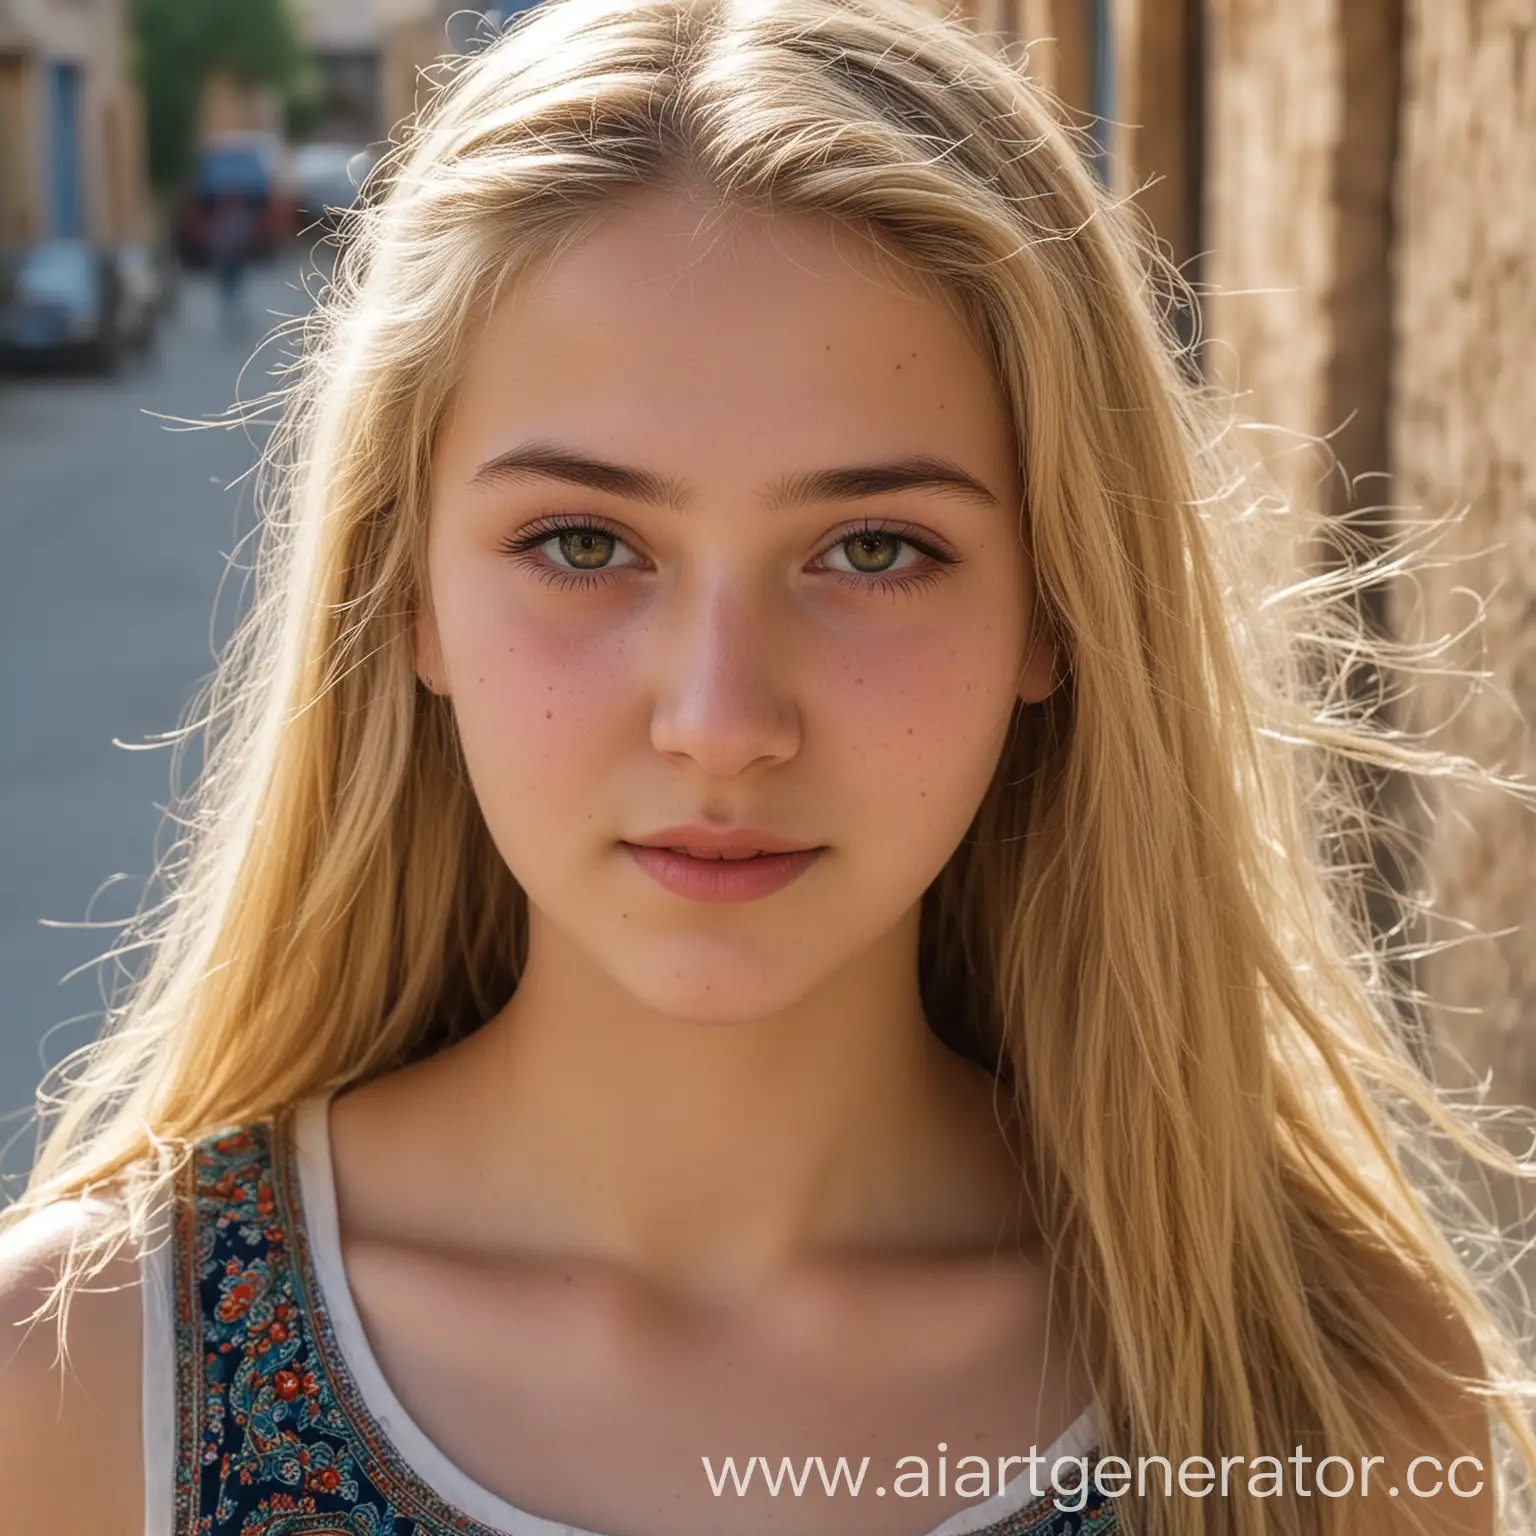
(709, 1155)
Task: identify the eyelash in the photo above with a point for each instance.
(523, 546)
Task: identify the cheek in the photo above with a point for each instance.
(920, 715)
(534, 701)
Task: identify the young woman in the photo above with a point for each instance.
(765, 885)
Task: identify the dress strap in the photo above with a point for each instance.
(158, 1350)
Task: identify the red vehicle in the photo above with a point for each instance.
(252, 166)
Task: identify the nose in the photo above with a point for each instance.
(722, 702)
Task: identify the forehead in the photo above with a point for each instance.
(674, 328)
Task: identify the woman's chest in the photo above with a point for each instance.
(352, 1388)
(866, 1402)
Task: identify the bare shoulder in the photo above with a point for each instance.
(71, 1423)
(1439, 1454)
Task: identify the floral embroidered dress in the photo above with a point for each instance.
(266, 1413)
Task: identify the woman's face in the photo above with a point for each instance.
(726, 530)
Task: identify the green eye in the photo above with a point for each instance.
(585, 548)
(881, 548)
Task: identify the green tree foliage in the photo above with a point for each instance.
(179, 41)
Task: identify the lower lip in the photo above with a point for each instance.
(722, 879)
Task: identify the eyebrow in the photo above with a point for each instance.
(553, 461)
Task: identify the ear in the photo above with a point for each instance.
(1037, 676)
(429, 654)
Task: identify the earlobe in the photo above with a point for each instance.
(1039, 676)
(429, 666)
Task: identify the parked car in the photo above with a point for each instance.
(252, 166)
(143, 294)
(62, 300)
(326, 177)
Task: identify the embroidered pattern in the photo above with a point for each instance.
(272, 1435)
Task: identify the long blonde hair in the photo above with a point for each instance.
(1150, 931)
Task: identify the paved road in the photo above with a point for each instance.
(115, 532)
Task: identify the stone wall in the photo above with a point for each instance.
(1359, 187)
(1464, 436)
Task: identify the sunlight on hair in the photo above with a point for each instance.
(1157, 931)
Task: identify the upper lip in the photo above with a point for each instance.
(714, 841)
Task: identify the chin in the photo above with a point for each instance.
(719, 989)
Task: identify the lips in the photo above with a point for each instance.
(749, 877)
(699, 841)
(716, 853)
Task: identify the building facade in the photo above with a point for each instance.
(346, 38)
(72, 158)
(1352, 181)
(417, 33)
(1462, 403)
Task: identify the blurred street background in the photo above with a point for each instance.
(1350, 185)
(114, 536)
